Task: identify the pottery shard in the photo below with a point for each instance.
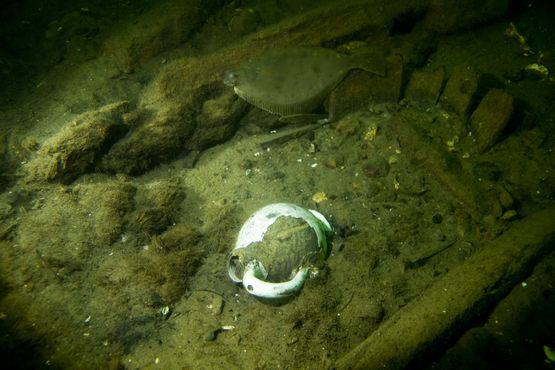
(425, 86)
(76, 148)
(460, 89)
(490, 118)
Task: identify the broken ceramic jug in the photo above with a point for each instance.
(277, 248)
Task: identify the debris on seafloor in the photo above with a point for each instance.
(319, 197)
(425, 86)
(213, 334)
(536, 71)
(491, 117)
(78, 145)
(460, 89)
(512, 32)
(276, 250)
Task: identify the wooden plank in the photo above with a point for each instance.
(442, 311)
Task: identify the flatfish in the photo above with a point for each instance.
(296, 80)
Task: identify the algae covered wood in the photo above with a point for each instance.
(459, 296)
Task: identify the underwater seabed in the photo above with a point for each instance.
(127, 176)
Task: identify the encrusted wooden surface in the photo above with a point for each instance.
(460, 295)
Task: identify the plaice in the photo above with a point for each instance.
(296, 80)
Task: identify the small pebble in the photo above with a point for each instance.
(331, 163)
(509, 215)
(212, 335)
(506, 199)
(437, 218)
(217, 305)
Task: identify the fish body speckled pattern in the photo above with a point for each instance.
(295, 80)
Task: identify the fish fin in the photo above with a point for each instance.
(302, 118)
